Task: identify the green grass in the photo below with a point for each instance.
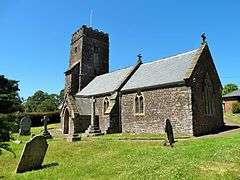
(129, 136)
(235, 118)
(105, 157)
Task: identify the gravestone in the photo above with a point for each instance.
(25, 126)
(169, 132)
(33, 154)
(46, 133)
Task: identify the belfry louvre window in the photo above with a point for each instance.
(75, 50)
(105, 104)
(208, 94)
(96, 59)
(139, 104)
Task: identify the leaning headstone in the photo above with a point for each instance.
(33, 154)
(25, 126)
(169, 132)
(46, 133)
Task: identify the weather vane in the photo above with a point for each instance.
(90, 18)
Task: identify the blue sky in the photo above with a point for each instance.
(35, 35)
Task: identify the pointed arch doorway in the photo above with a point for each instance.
(66, 122)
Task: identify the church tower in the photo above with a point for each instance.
(89, 57)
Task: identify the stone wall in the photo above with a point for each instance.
(160, 104)
(74, 80)
(81, 123)
(88, 67)
(104, 120)
(108, 123)
(202, 123)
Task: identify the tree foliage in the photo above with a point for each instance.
(42, 102)
(5, 128)
(229, 88)
(9, 102)
(61, 96)
(9, 97)
(47, 105)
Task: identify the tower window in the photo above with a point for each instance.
(96, 49)
(75, 50)
(96, 60)
(139, 104)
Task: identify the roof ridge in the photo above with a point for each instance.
(121, 69)
(162, 59)
(172, 56)
(114, 71)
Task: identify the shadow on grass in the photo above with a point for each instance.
(225, 128)
(230, 127)
(50, 165)
(1, 177)
(40, 168)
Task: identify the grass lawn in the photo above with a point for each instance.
(235, 118)
(105, 157)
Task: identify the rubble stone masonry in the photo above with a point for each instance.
(159, 105)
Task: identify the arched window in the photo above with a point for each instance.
(139, 104)
(105, 104)
(208, 94)
(136, 105)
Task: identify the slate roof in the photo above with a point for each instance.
(83, 105)
(168, 70)
(105, 83)
(164, 71)
(72, 66)
(233, 94)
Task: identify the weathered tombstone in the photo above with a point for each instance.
(46, 134)
(33, 154)
(25, 126)
(169, 132)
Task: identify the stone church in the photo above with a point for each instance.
(184, 88)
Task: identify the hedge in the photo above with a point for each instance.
(236, 108)
(37, 116)
(13, 120)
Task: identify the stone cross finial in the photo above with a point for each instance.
(203, 36)
(45, 121)
(139, 58)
